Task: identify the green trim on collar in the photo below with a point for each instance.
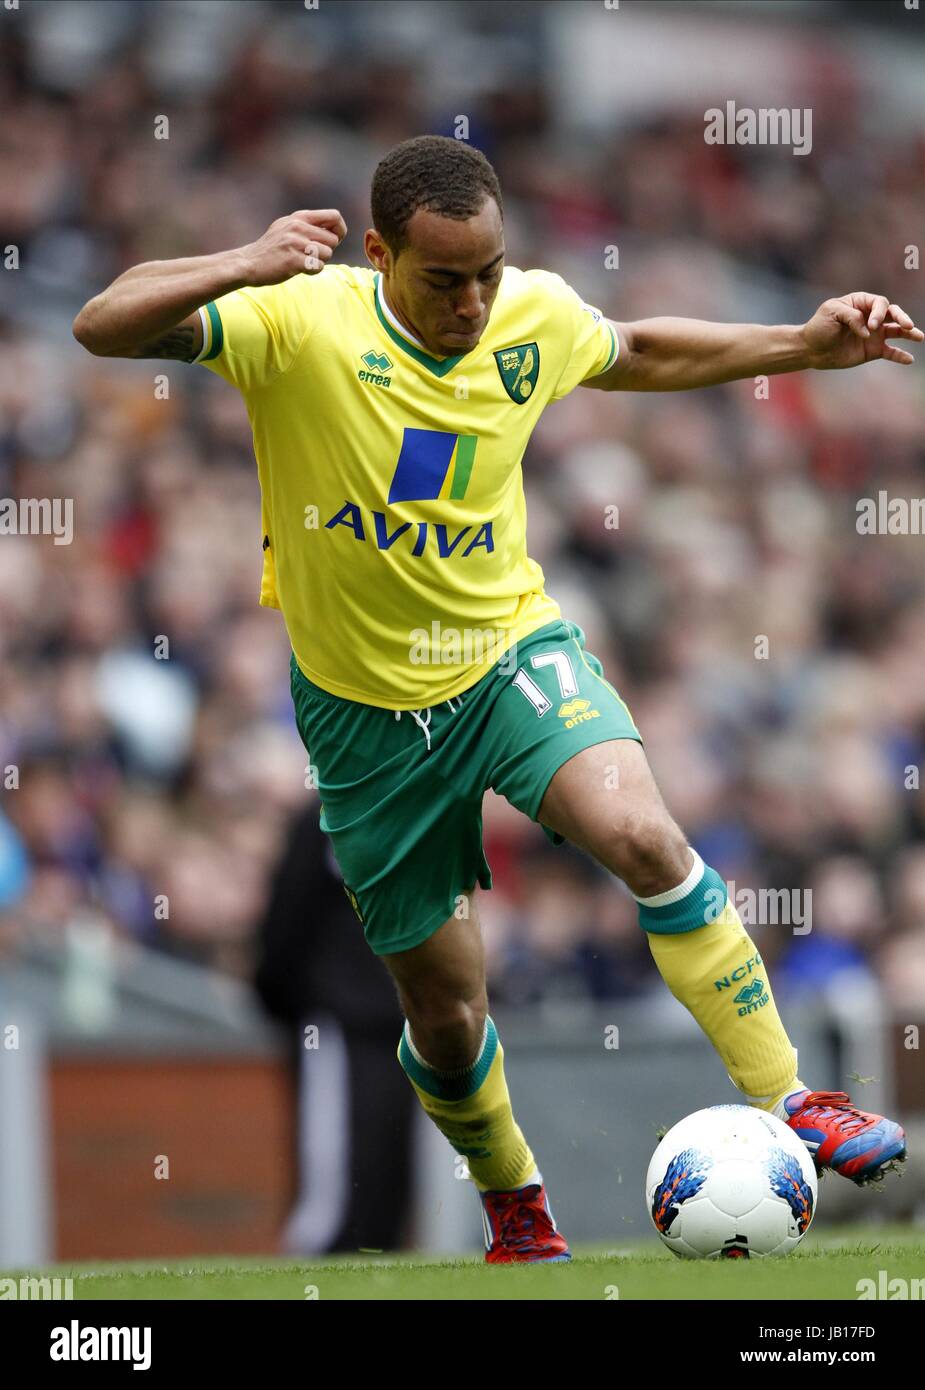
(438, 365)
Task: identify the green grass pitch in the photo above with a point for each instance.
(827, 1265)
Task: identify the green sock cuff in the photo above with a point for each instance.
(448, 1085)
(698, 908)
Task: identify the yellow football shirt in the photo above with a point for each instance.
(393, 510)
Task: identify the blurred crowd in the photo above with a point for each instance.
(149, 761)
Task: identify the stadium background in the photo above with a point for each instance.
(141, 781)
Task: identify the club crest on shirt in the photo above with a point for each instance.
(519, 368)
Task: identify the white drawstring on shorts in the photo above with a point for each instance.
(422, 718)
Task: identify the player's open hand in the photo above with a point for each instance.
(854, 329)
(299, 244)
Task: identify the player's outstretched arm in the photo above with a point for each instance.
(151, 310)
(670, 354)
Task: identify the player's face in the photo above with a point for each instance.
(444, 281)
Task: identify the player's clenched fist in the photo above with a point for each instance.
(300, 243)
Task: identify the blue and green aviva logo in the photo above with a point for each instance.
(433, 464)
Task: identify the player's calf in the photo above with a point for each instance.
(451, 1054)
(442, 991)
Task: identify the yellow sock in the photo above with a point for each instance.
(717, 973)
(472, 1108)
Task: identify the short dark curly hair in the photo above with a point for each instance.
(433, 172)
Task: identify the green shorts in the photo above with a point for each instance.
(402, 794)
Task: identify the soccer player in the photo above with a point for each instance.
(391, 406)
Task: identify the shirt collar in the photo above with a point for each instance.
(387, 312)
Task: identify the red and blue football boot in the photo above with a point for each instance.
(519, 1225)
(843, 1138)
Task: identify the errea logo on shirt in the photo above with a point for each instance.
(377, 364)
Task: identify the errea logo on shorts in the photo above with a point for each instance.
(577, 712)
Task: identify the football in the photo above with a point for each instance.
(731, 1182)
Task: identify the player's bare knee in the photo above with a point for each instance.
(448, 1033)
(649, 853)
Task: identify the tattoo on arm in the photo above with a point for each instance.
(177, 343)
